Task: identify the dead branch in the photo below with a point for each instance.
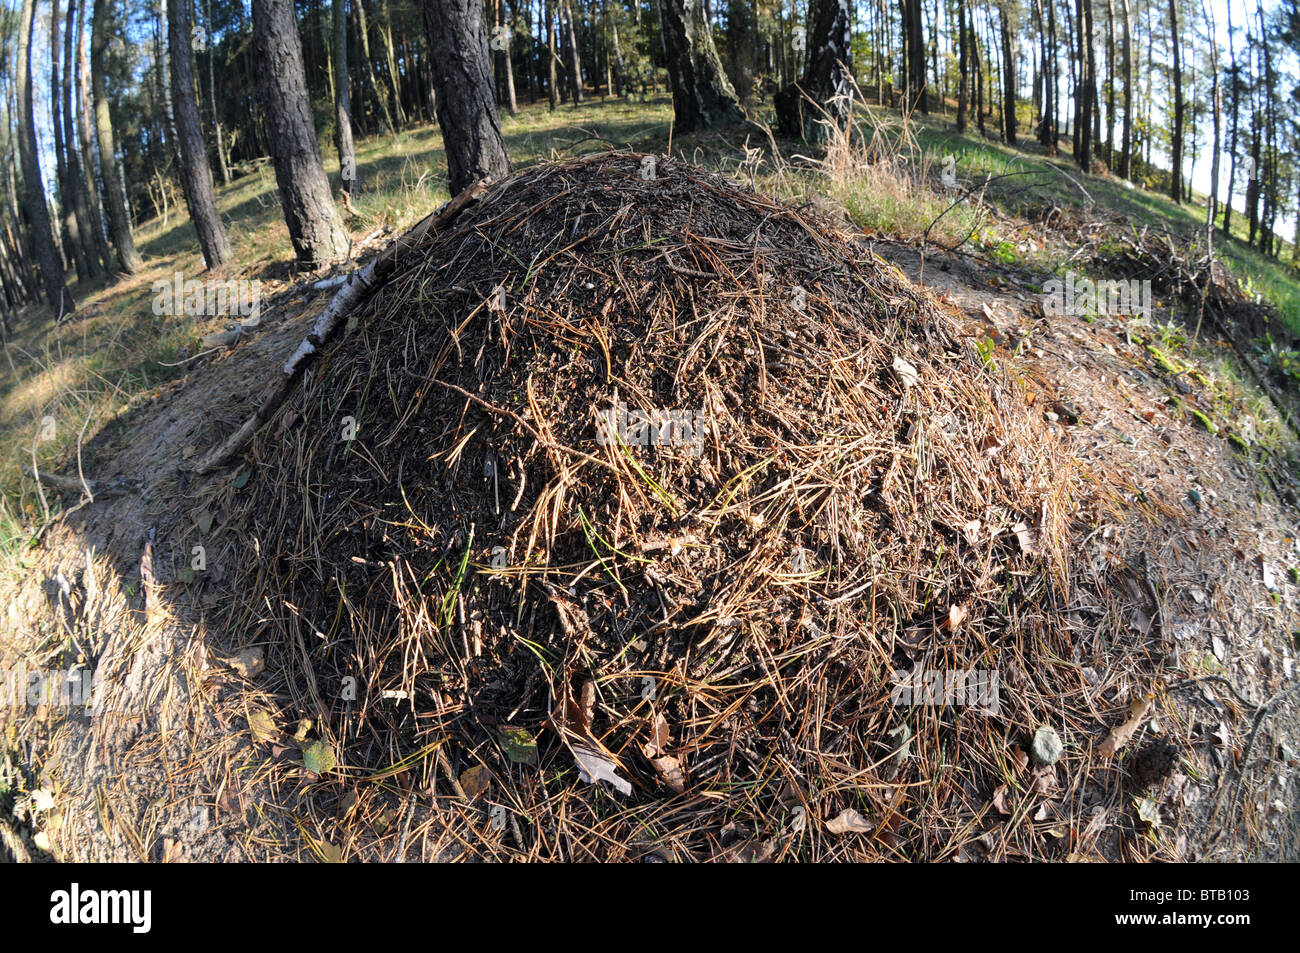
(359, 287)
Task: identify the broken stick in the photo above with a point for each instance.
(358, 288)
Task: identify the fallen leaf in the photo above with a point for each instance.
(659, 738)
(956, 615)
(749, 852)
(572, 721)
(318, 757)
(474, 781)
(596, 765)
(171, 852)
(670, 772)
(519, 744)
(849, 821)
(1118, 738)
(1000, 799)
(1028, 539)
(1148, 812)
(908, 374)
(262, 725)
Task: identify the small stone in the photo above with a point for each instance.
(1047, 747)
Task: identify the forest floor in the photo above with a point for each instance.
(1176, 420)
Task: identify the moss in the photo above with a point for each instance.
(1205, 422)
(1164, 361)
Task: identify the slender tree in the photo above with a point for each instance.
(196, 174)
(119, 223)
(467, 109)
(1176, 134)
(38, 215)
(315, 228)
(343, 100)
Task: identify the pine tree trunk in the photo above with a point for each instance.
(314, 226)
(1008, 76)
(119, 222)
(575, 59)
(78, 195)
(100, 241)
(702, 94)
(196, 174)
(824, 95)
(343, 100)
(73, 242)
(1126, 140)
(1176, 135)
(467, 110)
(963, 66)
(38, 214)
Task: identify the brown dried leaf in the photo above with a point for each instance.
(1000, 799)
(849, 821)
(474, 781)
(1118, 738)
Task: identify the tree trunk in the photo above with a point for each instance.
(963, 66)
(1126, 143)
(314, 225)
(467, 110)
(1232, 135)
(343, 100)
(825, 94)
(1176, 135)
(368, 68)
(575, 60)
(223, 168)
(702, 94)
(552, 73)
(119, 223)
(100, 242)
(38, 214)
(914, 92)
(73, 240)
(196, 174)
(501, 45)
(1008, 75)
(78, 195)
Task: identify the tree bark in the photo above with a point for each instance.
(196, 174)
(74, 243)
(119, 223)
(38, 214)
(343, 100)
(314, 225)
(1008, 75)
(467, 109)
(1126, 141)
(702, 95)
(100, 241)
(824, 94)
(1176, 136)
